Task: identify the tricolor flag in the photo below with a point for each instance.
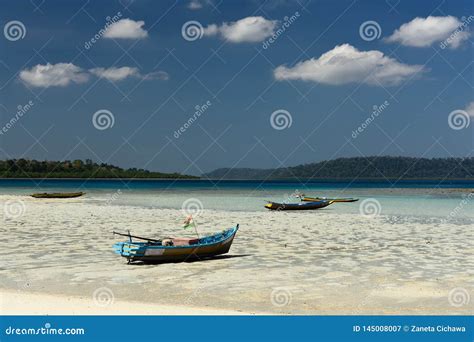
(189, 222)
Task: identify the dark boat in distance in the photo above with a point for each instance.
(335, 200)
(58, 195)
(175, 249)
(298, 206)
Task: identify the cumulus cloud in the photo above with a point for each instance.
(423, 32)
(126, 29)
(50, 75)
(63, 74)
(250, 29)
(470, 109)
(345, 64)
(115, 74)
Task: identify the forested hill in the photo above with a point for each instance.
(24, 168)
(361, 167)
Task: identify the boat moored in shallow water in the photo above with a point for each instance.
(58, 194)
(297, 206)
(335, 200)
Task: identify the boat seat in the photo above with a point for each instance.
(184, 241)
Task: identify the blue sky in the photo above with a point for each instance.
(341, 78)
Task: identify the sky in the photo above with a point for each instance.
(191, 86)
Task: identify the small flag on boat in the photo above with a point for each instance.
(298, 194)
(188, 222)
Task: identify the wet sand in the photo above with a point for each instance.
(323, 262)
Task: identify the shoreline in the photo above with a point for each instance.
(269, 180)
(21, 303)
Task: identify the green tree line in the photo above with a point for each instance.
(361, 167)
(25, 168)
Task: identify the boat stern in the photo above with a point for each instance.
(127, 249)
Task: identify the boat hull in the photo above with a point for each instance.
(297, 206)
(58, 195)
(152, 253)
(335, 200)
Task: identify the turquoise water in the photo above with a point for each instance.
(420, 199)
(226, 184)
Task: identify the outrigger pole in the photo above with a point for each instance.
(136, 237)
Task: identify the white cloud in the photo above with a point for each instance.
(423, 32)
(156, 75)
(49, 75)
(126, 29)
(345, 64)
(115, 74)
(199, 4)
(470, 109)
(250, 29)
(63, 74)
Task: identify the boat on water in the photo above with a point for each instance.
(335, 200)
(175, 249)
(298, 206)
(58, 195)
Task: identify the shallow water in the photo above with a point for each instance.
(406, 198)
(404, 259)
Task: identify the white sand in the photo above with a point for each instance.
(21, 303)
(324, 262)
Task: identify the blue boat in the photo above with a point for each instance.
(175, 249)
(298, 206)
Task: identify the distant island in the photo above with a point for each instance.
(24, 168)
(361, 168)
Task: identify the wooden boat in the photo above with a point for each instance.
(58, 195)
(335, 200)
(175, 249)
(298, 206)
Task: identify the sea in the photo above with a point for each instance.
(453, 199)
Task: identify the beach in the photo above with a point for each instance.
(412, 256)
(23, 303)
